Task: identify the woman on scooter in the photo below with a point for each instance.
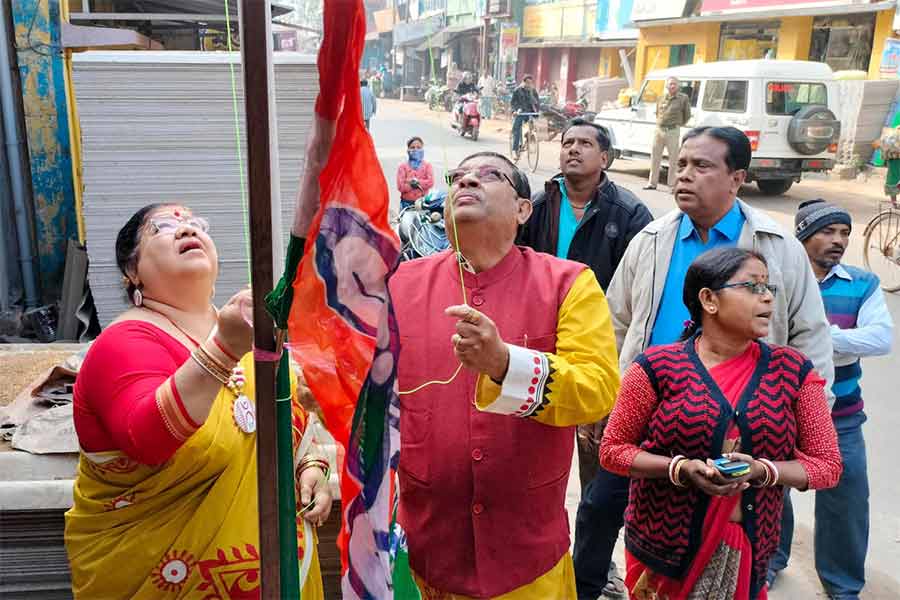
(415, 177)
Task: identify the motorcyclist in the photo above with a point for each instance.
(524, 100)
(465, 86)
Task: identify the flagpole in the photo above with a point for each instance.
(257, 87)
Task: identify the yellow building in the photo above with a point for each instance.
(564, 41)
(846, 34)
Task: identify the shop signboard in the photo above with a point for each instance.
(890, 59)
(509, 43)
(614, 16)
(724, 7)
(649, 10)
(544, 21)
(384, 20)
(565, 19)
(412, 31)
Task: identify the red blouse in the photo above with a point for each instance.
(115, 400)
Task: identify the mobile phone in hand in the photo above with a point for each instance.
(731, 468)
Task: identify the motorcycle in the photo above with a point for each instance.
(421, 227)
(435, 96)
(558, 116)
(467, 116)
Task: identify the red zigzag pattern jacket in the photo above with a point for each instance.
(663, 524)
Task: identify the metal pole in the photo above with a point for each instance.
(257, 87)
(17, 154)
(5, 283)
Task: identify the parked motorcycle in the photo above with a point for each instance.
(558, 116)
(421, 227)
(467, 116)
(435, 96)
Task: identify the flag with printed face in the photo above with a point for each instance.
(342, 327)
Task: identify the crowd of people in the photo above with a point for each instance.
(702, 363)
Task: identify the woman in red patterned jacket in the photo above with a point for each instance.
(692, 532)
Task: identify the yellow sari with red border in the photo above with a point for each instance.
(186, 529)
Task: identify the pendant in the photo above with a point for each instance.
(244, 414)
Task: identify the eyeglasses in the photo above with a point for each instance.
(757, 287)
(164, 225)
(483, 174)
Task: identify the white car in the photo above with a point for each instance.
(785, 107)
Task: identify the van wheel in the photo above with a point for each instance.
(774, 187)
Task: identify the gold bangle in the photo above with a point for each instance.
(306, 462)
(210, 370)
(212, 361)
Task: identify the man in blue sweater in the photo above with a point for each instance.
(860, 326)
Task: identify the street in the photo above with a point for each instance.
(395, 122)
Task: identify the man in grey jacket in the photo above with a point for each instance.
(645, 294)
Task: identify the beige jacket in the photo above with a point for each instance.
(799, 315)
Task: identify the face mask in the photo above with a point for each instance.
(416, 154)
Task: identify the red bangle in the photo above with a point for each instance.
(224, 350)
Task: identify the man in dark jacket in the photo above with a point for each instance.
(583, 216)
(524, 100)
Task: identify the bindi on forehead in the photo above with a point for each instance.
(179, 212)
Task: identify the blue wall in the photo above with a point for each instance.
(41, 69)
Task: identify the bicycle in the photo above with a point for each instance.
(528, 144)
(881, 252)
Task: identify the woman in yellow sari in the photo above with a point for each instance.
(166, 493)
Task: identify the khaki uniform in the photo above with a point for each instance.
(672, 112)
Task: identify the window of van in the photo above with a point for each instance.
(656, 89)
(691, 89)
(653, 90)
(787, 98)
(725, 96)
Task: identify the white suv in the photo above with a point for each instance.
(785, 107)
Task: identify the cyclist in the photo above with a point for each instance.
(524, 100)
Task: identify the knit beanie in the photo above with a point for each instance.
(814, 215)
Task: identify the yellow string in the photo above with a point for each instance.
(237, 141)
(462, 283)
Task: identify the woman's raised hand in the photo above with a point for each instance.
(235, 324)
(318, 148)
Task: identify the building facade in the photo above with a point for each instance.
(846, 34)
(564, 41)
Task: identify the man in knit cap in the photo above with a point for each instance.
(860, 326)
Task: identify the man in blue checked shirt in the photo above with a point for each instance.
(860, 326)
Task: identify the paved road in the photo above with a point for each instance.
(396, 121)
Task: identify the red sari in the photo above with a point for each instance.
(731, 376)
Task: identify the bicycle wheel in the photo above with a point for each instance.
(881, 252)
(534, 151)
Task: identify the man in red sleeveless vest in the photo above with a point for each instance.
(485, 459)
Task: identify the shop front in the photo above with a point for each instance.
(845, 34)
(563, 42)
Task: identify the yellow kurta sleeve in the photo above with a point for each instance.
(575, 385)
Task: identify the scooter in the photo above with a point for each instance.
(467, 119)
(421, 227)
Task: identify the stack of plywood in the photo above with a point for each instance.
(160, 127)
(863, 106)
